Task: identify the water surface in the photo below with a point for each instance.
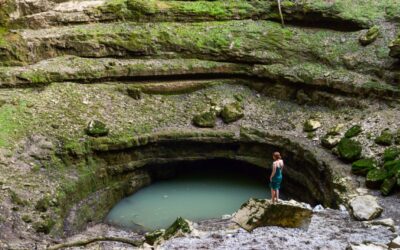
(195, 196)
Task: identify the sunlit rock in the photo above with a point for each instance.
(365, 207)
(259, 213)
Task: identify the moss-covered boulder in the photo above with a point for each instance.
(375, 178)
(134, 92)
(392, 167)
(397, 137)
(388, 185)
(385, 138)
(206, 119)
(152, 237)
(394, 47)
(353, 131)
(180, 227)
(370, 36)
(96, 129)
(363, 166)
(311, 125)
(232, 112)
(391, 154)
(336, 130)
(330, 141)
(349, 149)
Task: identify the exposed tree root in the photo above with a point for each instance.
(85, 242)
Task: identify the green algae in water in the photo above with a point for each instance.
(195, 197)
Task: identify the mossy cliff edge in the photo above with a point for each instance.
(147, 69)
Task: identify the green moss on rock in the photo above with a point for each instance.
(392, 167)
(353, 131)
(330, 141)
(96, 129)
(179, 226)
(375, 178)
(394, 47)
(388, 185)
(391, 154)
(232, 112)
(370, 36)
(311, 125)
(206, 119)
(363, 166)
(134, 92)
(385, 138)
(349, 150)
(152, 237)
(397, 137)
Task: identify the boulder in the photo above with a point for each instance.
(385, 138)
(336, 129)
(311, 125)
(179, 228)
(363, 166)
(206, 119)
(134, 92)
(152, 237)
(365, 207)
(391, 154)
(388, 185)
(96, 129)
(394, 47)
(349, 149)
(370, 36)
(395, 243)
(330, 141)
(259, 213)
(353, 131)
(232, 112)
(375, 178)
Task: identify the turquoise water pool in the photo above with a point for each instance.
(196, 196)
